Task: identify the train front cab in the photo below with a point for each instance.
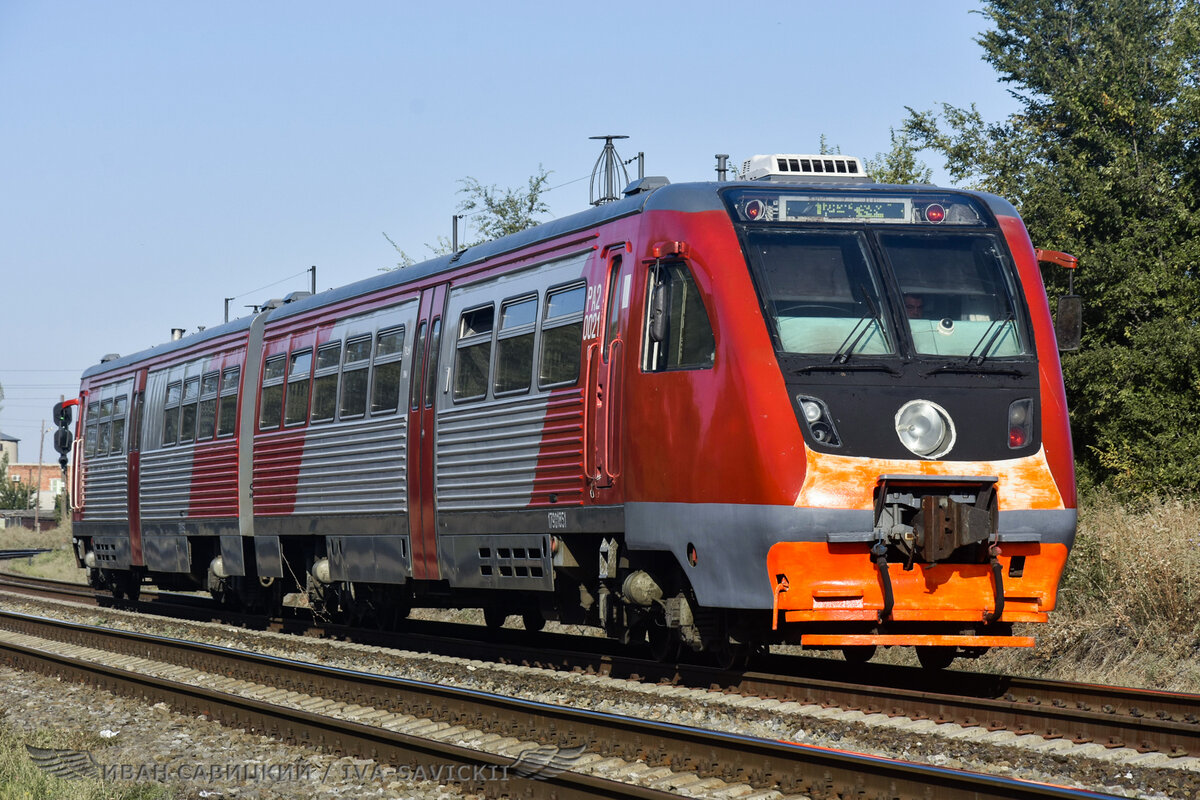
(936, 442)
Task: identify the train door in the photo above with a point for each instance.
(422, 414)
(135, 468)
(605, 361)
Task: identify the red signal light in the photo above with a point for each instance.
(935, 213)
(754, 209)
(1016, 437)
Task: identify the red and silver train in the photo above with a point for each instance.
(799, 407)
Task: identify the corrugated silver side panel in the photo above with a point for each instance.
(165, 489)
(487, 454)
(106, 489)
(354, 467)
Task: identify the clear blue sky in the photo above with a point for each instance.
(157, 157)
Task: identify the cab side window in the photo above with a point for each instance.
(678, 332)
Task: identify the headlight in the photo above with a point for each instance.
(819, 421)
(925, 428)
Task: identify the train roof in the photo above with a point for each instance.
(687, 197)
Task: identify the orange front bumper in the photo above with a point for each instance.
(918, 640)
(817, 582)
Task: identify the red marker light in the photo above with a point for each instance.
(935, 213)
(754, 209)
(1016, 437)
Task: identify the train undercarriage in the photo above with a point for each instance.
(642, 599)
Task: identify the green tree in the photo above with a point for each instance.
(12, 494)
(1103, 161)
(493, 212)
(900, 164)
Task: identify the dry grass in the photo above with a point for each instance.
(21, 779)
(58, 564)
(1129, 602)
(17, 538)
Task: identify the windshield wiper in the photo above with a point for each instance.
(833, 366)
(844, 352)
(973, 363)
(977, 369)
(998, 326)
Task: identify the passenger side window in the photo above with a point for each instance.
(562, 336)
(270, 410)
(514, 345)
(385, 381)
(299, 374)
(474, 353)
(678, 332)
(187, 416)
(227, 413)
(120, 409)
(325, 383)
(171, 413)
(356, 365)
(207, 424)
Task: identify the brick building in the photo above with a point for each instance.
(48, 480)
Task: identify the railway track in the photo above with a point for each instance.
(1111, 718)
(399, 721)
(6, 555)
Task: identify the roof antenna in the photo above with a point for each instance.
(608, 167)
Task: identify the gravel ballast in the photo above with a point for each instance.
(159, 735)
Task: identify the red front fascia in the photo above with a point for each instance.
(1056, 426)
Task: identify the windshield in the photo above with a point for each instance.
(842, 292)
(957, 296)
(823, 294)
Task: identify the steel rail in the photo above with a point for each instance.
(11, 554)
(1141, 719)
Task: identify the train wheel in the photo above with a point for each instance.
(494, 617)
(532, 620)
(858, 653)
(125, 586)
(733, 655)
(936, 657)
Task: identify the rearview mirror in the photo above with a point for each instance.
(1068, 323)
(658, 314)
